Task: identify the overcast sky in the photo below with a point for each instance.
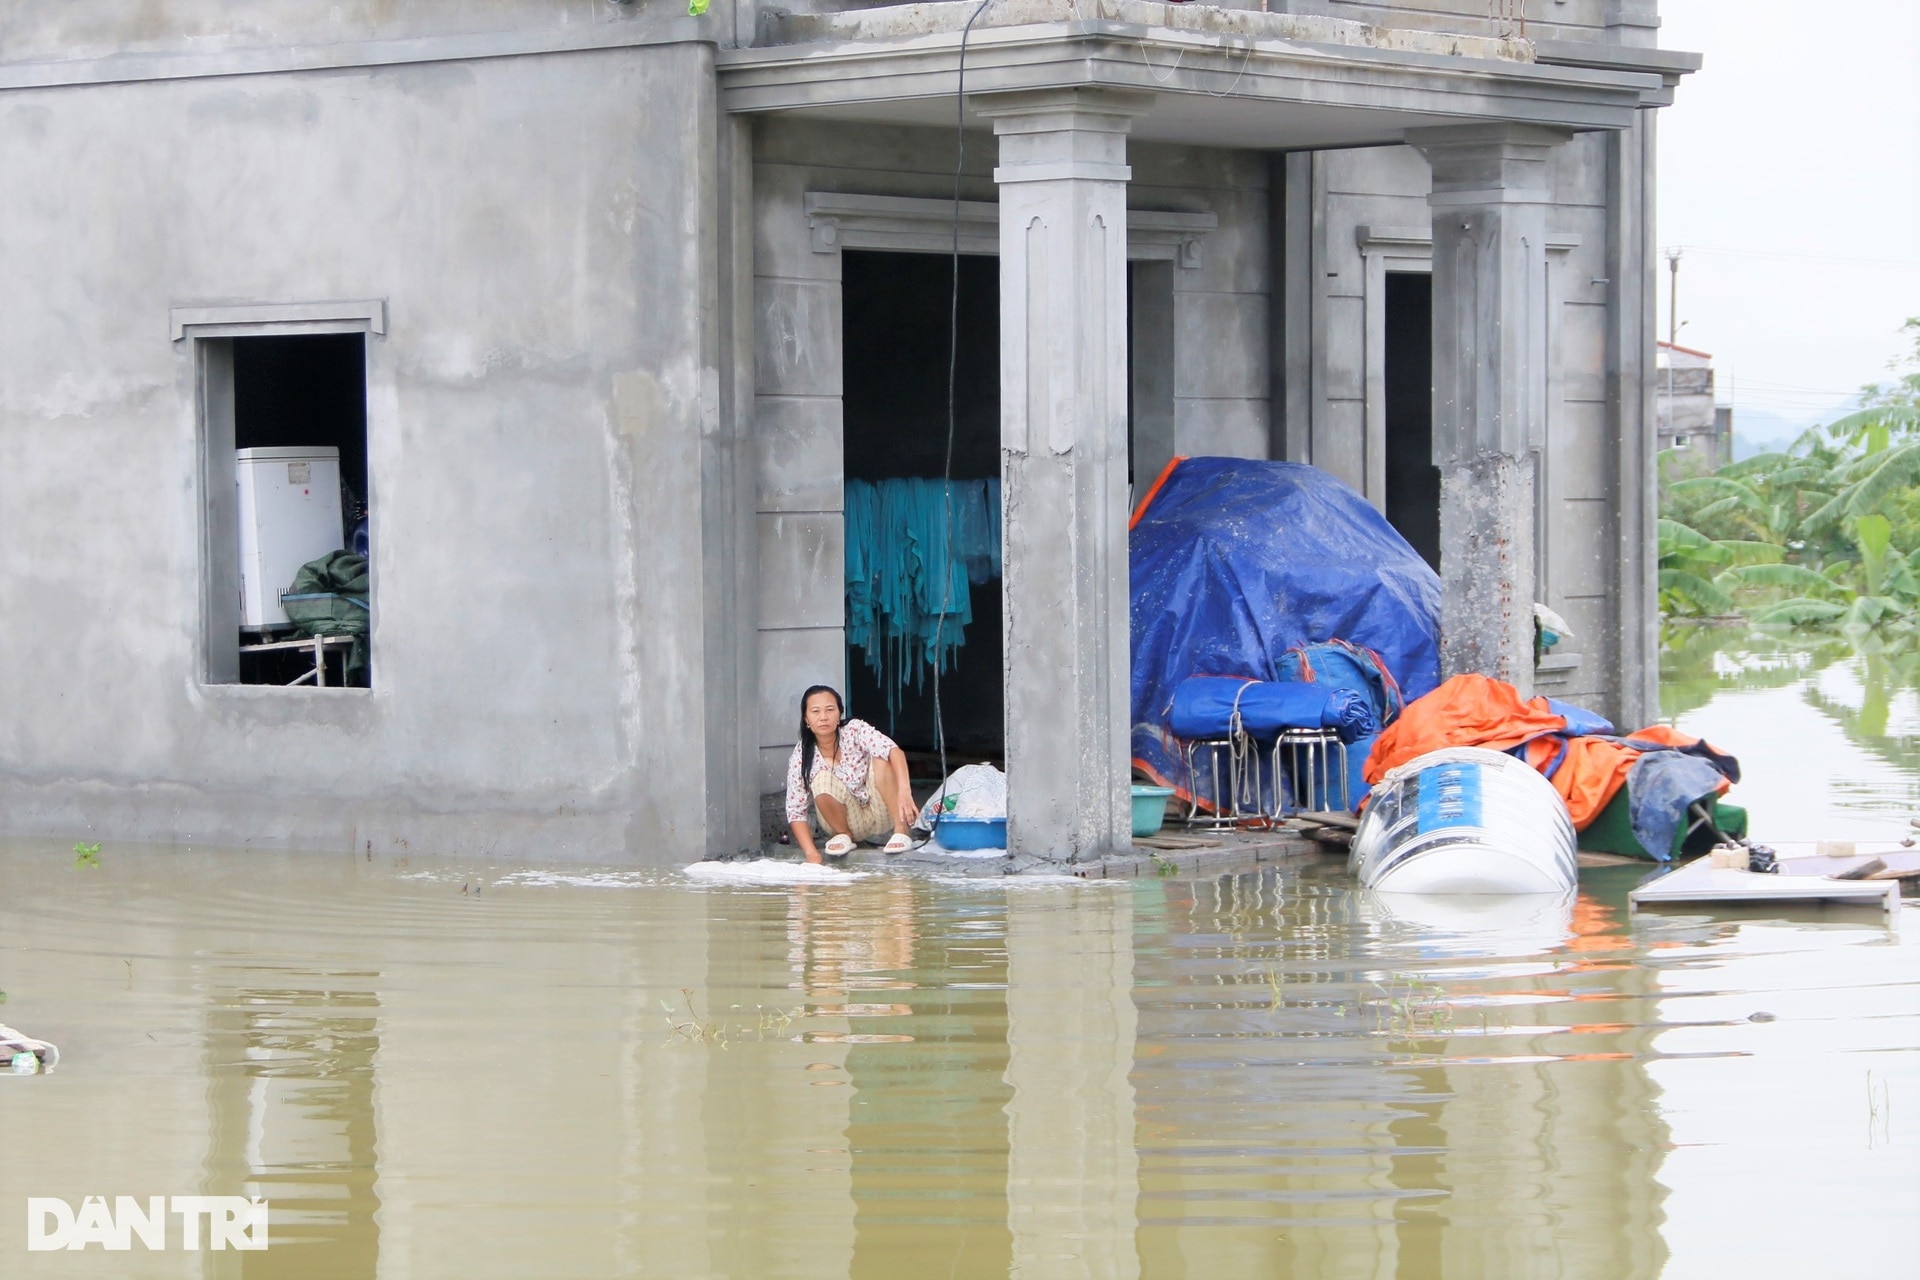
(1790, 174)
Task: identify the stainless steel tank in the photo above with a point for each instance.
(1464, 820)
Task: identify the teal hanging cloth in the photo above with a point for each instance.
(915, 549)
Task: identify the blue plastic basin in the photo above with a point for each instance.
(965, 834)
(1149, 808)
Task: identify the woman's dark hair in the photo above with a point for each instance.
(807, 742)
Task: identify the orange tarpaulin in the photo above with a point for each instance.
(1476, 711)
(1592, 772)
(1466, 711)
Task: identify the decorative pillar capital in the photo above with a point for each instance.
(1049, 134)
(1487, 164)
(1089, 106)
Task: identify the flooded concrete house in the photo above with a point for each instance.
(599, 306)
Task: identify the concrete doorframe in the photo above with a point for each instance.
(838, 221)
(1410, 249)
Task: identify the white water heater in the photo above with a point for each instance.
(289, 515)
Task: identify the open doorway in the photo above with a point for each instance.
(896, 327)
(1149, 375)
(1413, 482)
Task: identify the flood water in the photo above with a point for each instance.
(592, 1073)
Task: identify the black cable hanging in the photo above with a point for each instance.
(953, 368)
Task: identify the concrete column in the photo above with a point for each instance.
(1489, 201)
(1063, 443)
(1632, 255)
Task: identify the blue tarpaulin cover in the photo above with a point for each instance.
(1236, 561)
(1205, 707)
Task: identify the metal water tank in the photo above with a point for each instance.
(1465, 820)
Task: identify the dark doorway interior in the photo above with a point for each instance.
(896, 324)
(1149, 374)
(1413, 482)
(305, 390)
(309, 389)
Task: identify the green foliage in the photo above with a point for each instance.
(86, 855)
(1757, 464)
(1742, 554)
(1688, 558)
(1717, 488)
(1784, 576)
(1799, 612)
(1824, 534)
(1890, 480)
(1682, 591)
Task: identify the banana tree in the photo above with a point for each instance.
(1688, 561)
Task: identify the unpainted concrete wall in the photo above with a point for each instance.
(1220, 355)
(1220, 308)
(58, 30)
(1578, 557)
(54, 30)
(1544, 19)
(541, 229)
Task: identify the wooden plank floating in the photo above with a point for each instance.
(1886, 864)
(1701, 882)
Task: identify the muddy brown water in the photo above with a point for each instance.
(761, 1073)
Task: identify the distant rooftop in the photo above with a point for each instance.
(1685, 351)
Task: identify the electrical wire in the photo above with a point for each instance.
(953, 372)
(1789, 256)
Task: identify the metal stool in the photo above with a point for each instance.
(1316, 762)
(1240, 799)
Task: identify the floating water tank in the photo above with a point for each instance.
(1465, 820)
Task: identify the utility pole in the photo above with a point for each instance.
(1673, 297)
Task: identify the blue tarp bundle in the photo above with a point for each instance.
(1235, 561)
(1344, 666)
(1205, 707)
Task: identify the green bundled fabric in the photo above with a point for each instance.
(329, 598)
(1611, 830)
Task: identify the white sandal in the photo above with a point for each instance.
(839, 846)
(899, 844)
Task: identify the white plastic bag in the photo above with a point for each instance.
(972, 791)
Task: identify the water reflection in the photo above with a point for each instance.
(1827, 727)
(291, 1076)
(1399, 1107)
(1073, 1175)
(615, 1074)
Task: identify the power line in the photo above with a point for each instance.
(1803, 257)
(1794, 386)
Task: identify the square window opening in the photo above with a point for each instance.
(288, 510)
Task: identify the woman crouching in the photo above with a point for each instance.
(854, 775)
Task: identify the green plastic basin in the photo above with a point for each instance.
(1149, 808)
